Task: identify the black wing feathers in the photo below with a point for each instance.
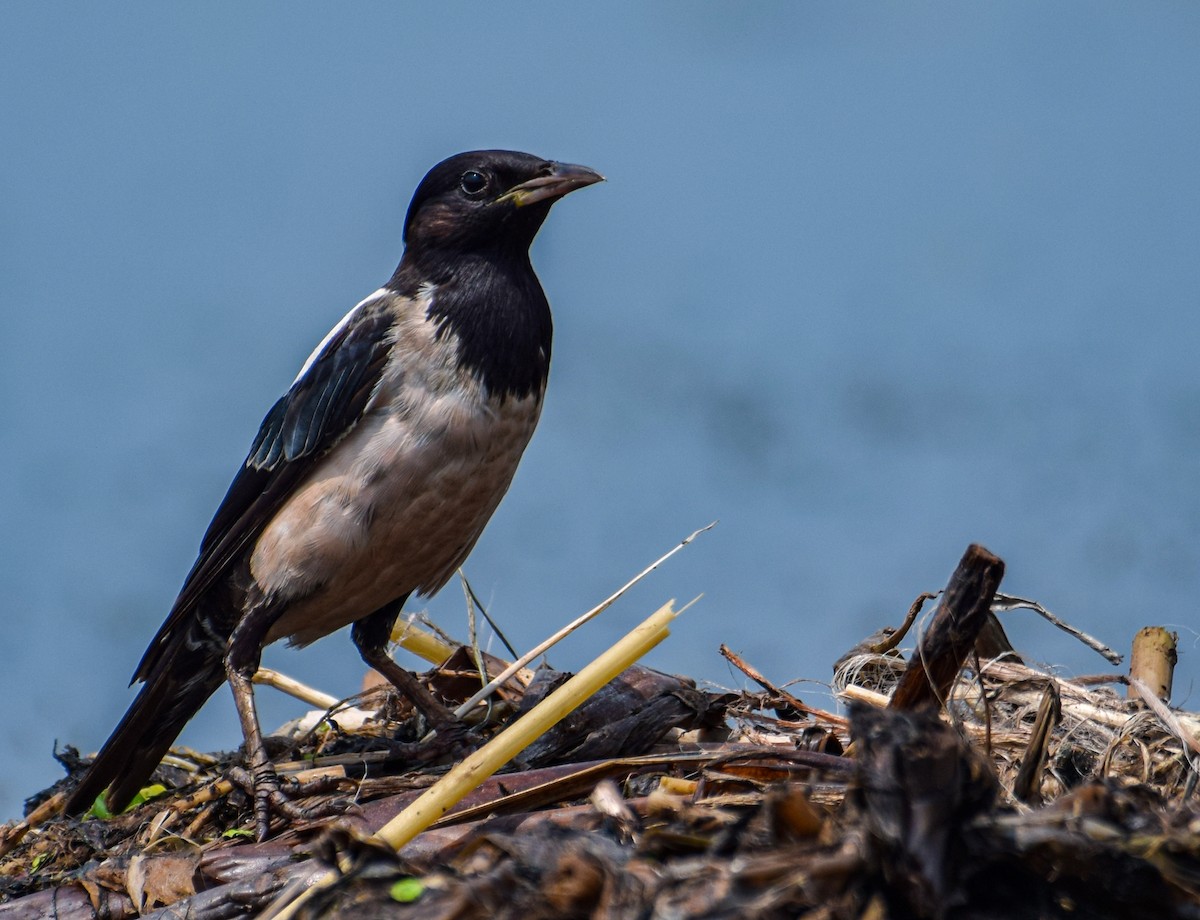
(266, 449)
(322, 405)
(325, 401)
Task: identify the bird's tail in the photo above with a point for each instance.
(187, 673)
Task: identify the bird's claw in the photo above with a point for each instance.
(265, 788)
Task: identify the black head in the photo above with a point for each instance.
(488, 199)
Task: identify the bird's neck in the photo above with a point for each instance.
(493, 304)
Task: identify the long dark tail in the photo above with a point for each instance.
(183, 677)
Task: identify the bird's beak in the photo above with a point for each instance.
(560, 180)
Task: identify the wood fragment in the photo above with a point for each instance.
(1153, 660)
(11, 835)
(855, 693)
(960, 616)
(755, 675)
(917, 786)
(897, 636)
(1005, 602)
(1026, 786)
(293, 687)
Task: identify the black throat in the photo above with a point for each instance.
(494, 305)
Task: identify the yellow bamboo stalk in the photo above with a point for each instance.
(479, 765)
(474, 769)
(293, 687)
(421, 642)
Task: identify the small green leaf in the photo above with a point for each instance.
(145, 794)
(38, 861)
(237, 832)
(100, 808)
(407, 890)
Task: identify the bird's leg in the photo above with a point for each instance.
(241, 662)
(371, 635)
(242, 658)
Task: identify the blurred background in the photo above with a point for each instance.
(867, 283)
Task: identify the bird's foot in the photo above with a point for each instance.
(452, 737)
(438, 742)
(270, 794)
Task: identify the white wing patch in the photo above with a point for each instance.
(329, 336)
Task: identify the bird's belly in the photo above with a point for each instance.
(395, 509)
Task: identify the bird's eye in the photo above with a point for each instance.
(473, 182)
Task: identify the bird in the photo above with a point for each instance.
(373, 476)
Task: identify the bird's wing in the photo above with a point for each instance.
(322, 405)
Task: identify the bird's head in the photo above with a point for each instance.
(488, 199)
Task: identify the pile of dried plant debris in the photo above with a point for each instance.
(963, 783)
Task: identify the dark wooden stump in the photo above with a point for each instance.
(962, 614)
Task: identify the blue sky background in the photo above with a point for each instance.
(867, 283)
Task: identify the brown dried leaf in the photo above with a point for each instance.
(160, 880)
